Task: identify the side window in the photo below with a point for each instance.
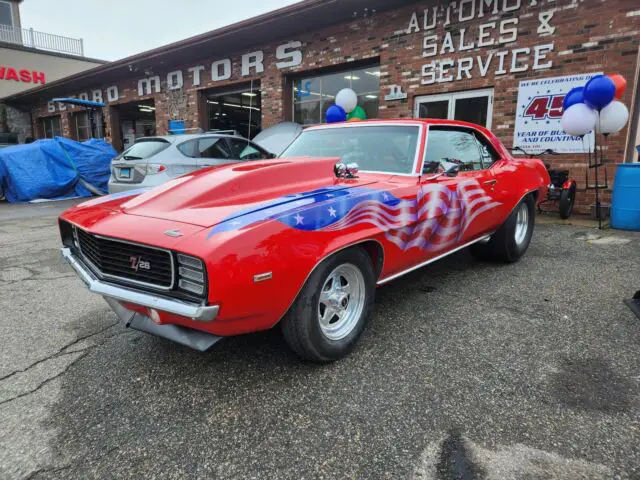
(488, 153)
(214, 147)
(189, 148)
(452, 146)
(244, 150)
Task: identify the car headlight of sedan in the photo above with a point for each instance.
(191, 275)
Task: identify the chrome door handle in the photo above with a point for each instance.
(490, 182)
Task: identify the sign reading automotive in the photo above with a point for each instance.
(490, 35)
(21, 75)
(539, 112)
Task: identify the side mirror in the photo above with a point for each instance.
(452, 170)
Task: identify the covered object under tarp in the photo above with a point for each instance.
(55, 168)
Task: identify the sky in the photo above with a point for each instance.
(118, 28)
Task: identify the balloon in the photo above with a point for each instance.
(578, 120)
(613, 118)
(620, 83)
(354, 119)
(574, 96)
(347, 99)
(599, 92)
(358, 113)
(336, 114)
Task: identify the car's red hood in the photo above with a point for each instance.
(210, 196)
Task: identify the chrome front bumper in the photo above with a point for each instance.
(201, 313)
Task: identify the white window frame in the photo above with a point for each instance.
(452, 98)
(13, 16)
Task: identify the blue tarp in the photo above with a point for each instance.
(55, 168)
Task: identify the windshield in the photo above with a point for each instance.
(144, 149)
(385, 148)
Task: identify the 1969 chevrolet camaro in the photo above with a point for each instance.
(303, 240)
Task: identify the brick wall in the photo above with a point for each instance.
(590, 36)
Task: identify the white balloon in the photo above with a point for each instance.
(578, 120)
(347, 99)
(613, 118)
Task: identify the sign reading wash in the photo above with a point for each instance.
(539, 112)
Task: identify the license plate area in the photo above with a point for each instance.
(125, 173)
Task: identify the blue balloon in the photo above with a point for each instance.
(574, 96)
(336, 114)
(599, 92)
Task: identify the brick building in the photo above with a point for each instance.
(502, 63)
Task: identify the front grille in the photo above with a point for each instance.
(131, 263)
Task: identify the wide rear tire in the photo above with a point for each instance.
(331, 311)
(512, 239)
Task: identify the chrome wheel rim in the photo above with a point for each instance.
(522, 224)
(341, 301)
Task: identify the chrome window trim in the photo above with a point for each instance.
(417, 124)
(103, 275)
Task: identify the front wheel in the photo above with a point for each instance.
(333, 307)
(512, 239)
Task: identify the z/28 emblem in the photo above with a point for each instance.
(137, 263)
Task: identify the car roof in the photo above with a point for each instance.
(188, 136)
(396, 121)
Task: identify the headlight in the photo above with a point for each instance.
(154, 168)
(191, 275)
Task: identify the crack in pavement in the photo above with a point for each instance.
(60, 352)
(82, 352)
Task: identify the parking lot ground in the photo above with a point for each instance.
(468, 370)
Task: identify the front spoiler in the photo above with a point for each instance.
(114, 295)
(195, 339)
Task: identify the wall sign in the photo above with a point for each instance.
(490, 35)
(286, 55)
(21, 75)
(395, 93)
(539, 112)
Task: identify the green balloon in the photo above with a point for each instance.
(357, 112)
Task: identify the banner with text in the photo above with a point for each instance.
(539, 112)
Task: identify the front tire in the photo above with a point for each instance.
(512, 239)
(331, 311)
(567, 199)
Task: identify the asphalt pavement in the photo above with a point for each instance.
(468, 370)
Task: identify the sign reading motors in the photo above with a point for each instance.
(21, 75)
(253, 63)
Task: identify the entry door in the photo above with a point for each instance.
(474, 106)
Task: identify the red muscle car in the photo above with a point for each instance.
(303, 240)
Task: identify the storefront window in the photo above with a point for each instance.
(312, 96)
(473, 106)
(85, 129)
(51, 127)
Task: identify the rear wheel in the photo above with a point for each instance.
(333, 307)
(512, 239)
(567, 199)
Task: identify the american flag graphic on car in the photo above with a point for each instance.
(435, 219)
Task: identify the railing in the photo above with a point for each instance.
(40, 40)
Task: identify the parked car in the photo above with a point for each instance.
(303, 240)
(152, 161)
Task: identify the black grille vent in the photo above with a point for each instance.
(128, 262)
